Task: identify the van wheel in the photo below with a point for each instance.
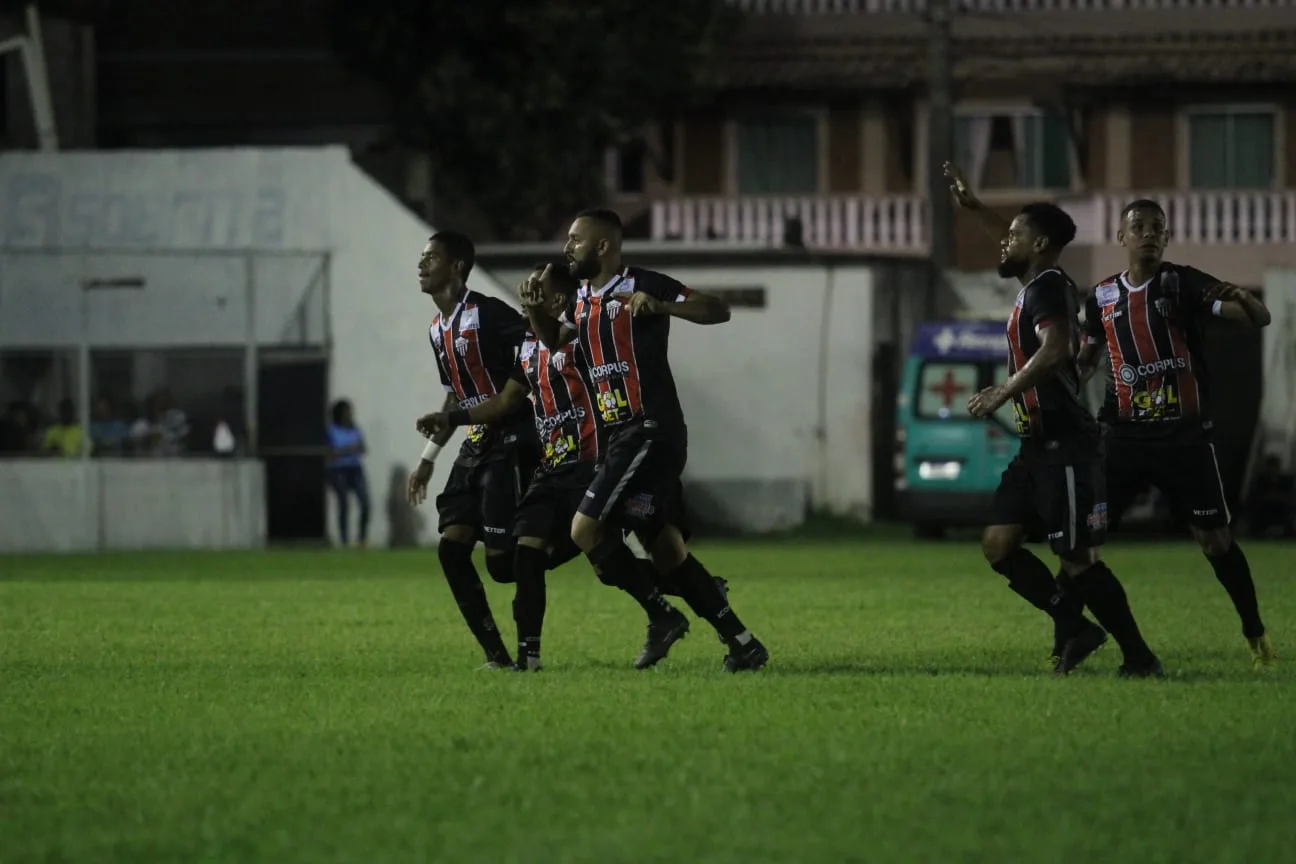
(929, 531)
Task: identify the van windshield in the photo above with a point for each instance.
(944, 389)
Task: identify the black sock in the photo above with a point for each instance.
(529, 601)
(618, 566)
(1234, 573)
(666, 582)
(500, 567)
(1103, 593)
(1031, 580)
(708, 601)
(466, 586)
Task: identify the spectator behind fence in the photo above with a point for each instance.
(109, 433)
(18, 430)
(1272, 502)
(173, 426)
(65, 436)
(344, 470)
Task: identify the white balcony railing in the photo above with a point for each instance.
(1209, 218)
(898, 223)
(864, 7)
(893, 223)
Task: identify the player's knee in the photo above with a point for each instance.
(462, 534)
(668, 549)
(500, 566)
(1215, 542)
(534, 543)
(1077, 561)
(586, 532)
(1000, 541)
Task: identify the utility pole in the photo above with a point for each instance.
(940, 134)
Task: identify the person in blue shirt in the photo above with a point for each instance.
(345, 469)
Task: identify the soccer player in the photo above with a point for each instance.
(621, 323)
(1057, 476)
(476, 340)
(1150, 320)
(569, 441)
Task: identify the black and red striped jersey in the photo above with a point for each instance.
(564, 415)
(1153, 333)
(625, 357)
(1051, 410)
(476, 348)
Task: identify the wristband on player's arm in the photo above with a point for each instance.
(459, 418)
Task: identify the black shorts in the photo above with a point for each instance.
(1061, 494)
(1185, 470)
(551, 501)
(485, 497)
(639, 483)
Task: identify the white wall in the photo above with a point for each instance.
(751, 393)
(235, 200)
(1278, 404)
(55, 505)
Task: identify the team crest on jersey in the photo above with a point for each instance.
(468, 320)
(613, 308)
(461, 346)
(1107, 294)
(558, 359)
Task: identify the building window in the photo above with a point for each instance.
(778, 155)
(625, 167)
(1024, 150)
(1231, 148)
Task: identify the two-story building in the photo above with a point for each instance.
(822, 114)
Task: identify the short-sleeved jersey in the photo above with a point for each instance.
(625, 357)
(1153, 333)
(476, 348)
(564, 415)
(1052, 410)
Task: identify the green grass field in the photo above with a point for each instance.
(326, 707)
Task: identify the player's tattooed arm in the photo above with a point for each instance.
(439, 434)
(1054, 353)
(991, 222)
(494, 409)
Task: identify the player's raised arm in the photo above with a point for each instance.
(548, 329)
(991, 222)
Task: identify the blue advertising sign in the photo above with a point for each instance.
(961, 340)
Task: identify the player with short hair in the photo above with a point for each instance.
(476, 339)
(1057, 476)
(621, 322)
(569, 440)
(1150, 320)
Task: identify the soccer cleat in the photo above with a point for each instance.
(1262, 652)
(1151, 670)
(661, 636)
(1079, 648)
(528, 664)
(494, 664)
(749, 657)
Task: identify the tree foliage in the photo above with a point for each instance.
(517, 100)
